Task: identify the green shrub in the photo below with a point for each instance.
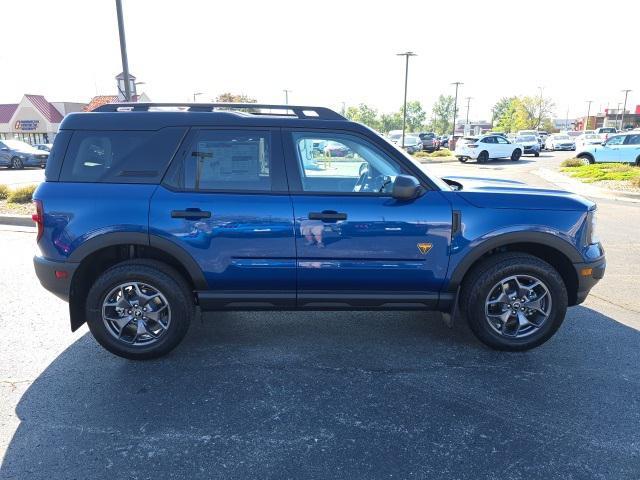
(572, 162)
(21, 194)
(443, 152)
(420, 154)
(4, 191)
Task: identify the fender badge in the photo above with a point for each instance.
(424, 248)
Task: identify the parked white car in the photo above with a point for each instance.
(486, 147)
(560, 141)
(605, 132)
(618, 148)
(588, 139)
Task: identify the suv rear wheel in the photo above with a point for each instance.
(139, 309)
(514, 301)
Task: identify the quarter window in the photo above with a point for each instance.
(225, 160)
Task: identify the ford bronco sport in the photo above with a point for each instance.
(151, 213)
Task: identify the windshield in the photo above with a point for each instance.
(17, 145)
(395, 136)
(563, 137)
(526, 138)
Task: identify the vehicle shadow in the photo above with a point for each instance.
(338, 395)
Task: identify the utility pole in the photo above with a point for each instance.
(618, 114)
(406, 77)
(195, 94)
(455, 109)
(286, 96)
(586, 123)
(626, 93)
(468, 102)
(540, 108)
(566, 122)
(123, 52)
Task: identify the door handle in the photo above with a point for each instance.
(190, 213)
(327, 215)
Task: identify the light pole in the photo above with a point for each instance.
(455, 109)
(406, 77)
(286, 96)
(123, 52)
(195, 94)
(626, 93)
(586, 123)
(566, 122)
(618, 114)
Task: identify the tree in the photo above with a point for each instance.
(390, 121)
(500, 108)
(415, 116)
(229, 97)
(442, 114)
(364, 114)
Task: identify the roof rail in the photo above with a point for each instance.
(317, 113)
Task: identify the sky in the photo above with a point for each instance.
(328, 52)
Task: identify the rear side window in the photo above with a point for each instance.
(120, 156)
(633, 139)
(225, 160)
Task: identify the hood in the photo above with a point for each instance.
(499, 193)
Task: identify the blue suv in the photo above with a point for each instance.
(152, 213)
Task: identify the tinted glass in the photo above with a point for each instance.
(225, 160)
(501, 140)
(489, 140)
(343, 163)
(120, 156)
(633, 139)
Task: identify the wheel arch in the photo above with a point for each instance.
(104, 251)
(555, 251)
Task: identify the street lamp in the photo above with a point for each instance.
(540, 108)
(195, 94)
(626, 93)
(286, 96)
(618, 114)
(406, 76)
(455, 109)
(586, 123)
(123, 52)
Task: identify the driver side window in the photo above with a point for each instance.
(343, 163)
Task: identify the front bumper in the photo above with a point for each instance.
(46, 273)
(589, 273)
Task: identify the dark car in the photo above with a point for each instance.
(17, 154)
(148, 215)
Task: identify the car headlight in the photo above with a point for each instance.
(592, 236)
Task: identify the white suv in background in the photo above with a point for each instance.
(618, 148)
(487, 147)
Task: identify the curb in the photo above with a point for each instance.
(429, 161)
(573, 185)
(16, 220)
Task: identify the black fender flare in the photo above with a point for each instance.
(139, 238)
(502, 240)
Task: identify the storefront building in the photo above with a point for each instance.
(34, 119)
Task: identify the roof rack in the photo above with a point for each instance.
(296, 111)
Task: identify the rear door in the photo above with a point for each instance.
(224, 200)
(356, 245)
(630, 149)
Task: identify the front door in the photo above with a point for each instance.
(225, 201)
(610, 151)
(356, 245)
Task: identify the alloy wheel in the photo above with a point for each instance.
(518, 306)
(136, 313)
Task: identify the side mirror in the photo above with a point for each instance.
(4, 149)
(604, 143)
(406, 187)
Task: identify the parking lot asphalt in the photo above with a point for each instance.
(327, 395)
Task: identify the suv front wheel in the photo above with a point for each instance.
(514, 301)
(139, 309)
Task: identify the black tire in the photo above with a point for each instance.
(638, 161)
(482, 278)
(462, 159)
(537, 154)
(588, 157)
(483, 157)
(162, 277)
(17, 163)
(515, 156)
